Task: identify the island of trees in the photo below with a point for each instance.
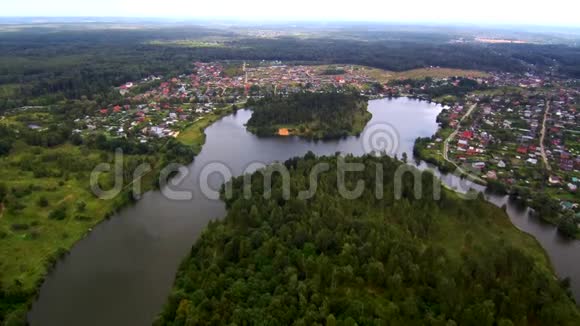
(374, 260)
(313, 115)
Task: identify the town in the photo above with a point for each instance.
(519, 134)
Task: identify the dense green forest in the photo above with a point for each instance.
(314, 115)
(42, 65)
(374, 260)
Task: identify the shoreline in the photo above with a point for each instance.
(224, 114)
(126, 202)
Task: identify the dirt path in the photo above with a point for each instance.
(454, 133)
(67, 198)
(543, 136)
(451, 137)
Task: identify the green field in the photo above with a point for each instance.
(46, 201)
(30, 239)
(188, 44)
(194, 134)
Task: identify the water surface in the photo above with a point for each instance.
(122, 273)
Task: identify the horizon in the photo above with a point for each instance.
(209, 21)
(560, 13)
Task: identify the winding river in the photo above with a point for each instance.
(122, 272)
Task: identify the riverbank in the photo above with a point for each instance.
(59, 212)
(194, 135)
(149, 240)
(467, 243)
(44, 216)
(435, 150)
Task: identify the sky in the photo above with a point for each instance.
(505, 12)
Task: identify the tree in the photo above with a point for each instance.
(42, 201)
(58, 214)
(3, 191)
(81, 206)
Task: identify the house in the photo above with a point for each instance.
(522, 150)
(554, 180)
(567, 205)
(491, 175)
(572, 187)
(467, 134)
(501, 164)
(532, 161)
(478, 165)
(157, 131)
(566, 165)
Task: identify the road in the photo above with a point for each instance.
(454, 133)
(543, 136)
(451, 137)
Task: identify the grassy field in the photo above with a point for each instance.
(8, 90)
(30, 239)
(39, 181)
(385, 76)
(188, 44)
(194, 134)
(48, 204)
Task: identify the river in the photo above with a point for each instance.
(122, 272)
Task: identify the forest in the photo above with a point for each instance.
(44, 65)
(313, 115)
(373, 260)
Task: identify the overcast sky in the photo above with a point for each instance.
(553, 12)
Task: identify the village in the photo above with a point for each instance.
(513, 129)
(521, 133)
(156, 107)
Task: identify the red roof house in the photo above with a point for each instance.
(467, 134)
(522, 150)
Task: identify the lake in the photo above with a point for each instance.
(123, 271)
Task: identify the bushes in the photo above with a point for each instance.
(58, 213)
(20, 227)
(42, 201)
(3, 191)
(568, 226)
